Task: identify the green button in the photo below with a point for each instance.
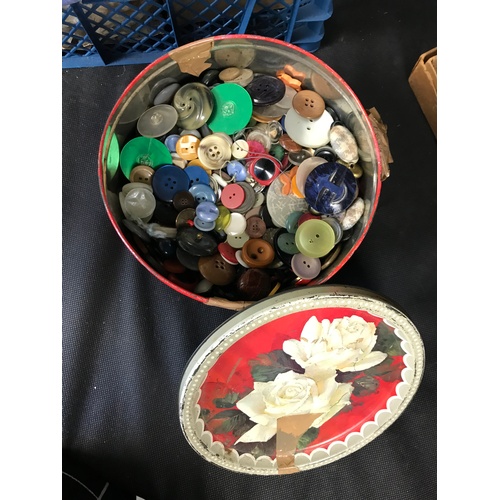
(113, 157)
(144, 151)
(315, 238)
(233, 108)
(223, 219)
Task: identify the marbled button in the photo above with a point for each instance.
(308, 132)
(207, 211)
(194, 103)
(196, 242)
(287, 143)
(168, 180)
(254, 284)
(256, 227)
(315, 238)
(187, 147)
(232, 196)
(157, 121)
(257, 253)
(216, 270)
(202, 192)
(266, 90)
(308, 104)
(344, 143)
(183, 199)
(142, 173)
(330, 188)
(353, 214)
(214, 152)
(305, 267)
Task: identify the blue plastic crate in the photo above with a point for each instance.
(122, 32)
(197, 19)
(139, 31)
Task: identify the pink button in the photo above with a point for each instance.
(232, 196)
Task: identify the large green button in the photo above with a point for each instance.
(315, 238)
(144, 151)
(233, 108)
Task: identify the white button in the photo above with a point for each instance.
(306, 131)
(239, 149)
(237, 224)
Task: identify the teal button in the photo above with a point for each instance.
(286, 243)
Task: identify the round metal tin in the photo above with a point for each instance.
(299, 380)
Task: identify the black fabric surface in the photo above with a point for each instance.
(126, 337)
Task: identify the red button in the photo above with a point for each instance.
(232, 196)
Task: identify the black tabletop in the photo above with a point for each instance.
(126, 337)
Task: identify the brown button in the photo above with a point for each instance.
(308, 104)
(257, 253)
(142, 173)
(187, 147)
(254, 284)
(216, 270)
(182, 200)
(289, 144)
(256, 227)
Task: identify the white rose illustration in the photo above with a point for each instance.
(290, 393)
(345, 344)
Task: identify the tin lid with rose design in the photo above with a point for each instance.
(300, 380)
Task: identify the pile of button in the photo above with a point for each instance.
(238, 184)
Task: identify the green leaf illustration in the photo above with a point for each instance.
(388, 341)
(266, 367)
(204, 414)
(308, 437)
(267, 448)
(225, 414)
(228, 401)
(364, 386)
(386, 370)
(230, 424)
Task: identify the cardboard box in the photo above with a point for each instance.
(423, 81)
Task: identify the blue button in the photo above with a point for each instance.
(330, 188)
(207, 211)
(169, 180)
(197, 175)
(203, 225)
(202, 192)
(236, 169)
(171, 141)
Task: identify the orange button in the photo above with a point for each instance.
(187, 147)
(257, 253)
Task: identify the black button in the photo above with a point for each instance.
(196, 242)
(266, 90)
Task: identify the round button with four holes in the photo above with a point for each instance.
(308, 103)
(217, 270)
(169, 180)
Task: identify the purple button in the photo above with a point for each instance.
(237, 170)
(207, 211)
(305, 267)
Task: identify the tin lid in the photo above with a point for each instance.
(300, 380)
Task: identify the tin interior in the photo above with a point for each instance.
(262, 55)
